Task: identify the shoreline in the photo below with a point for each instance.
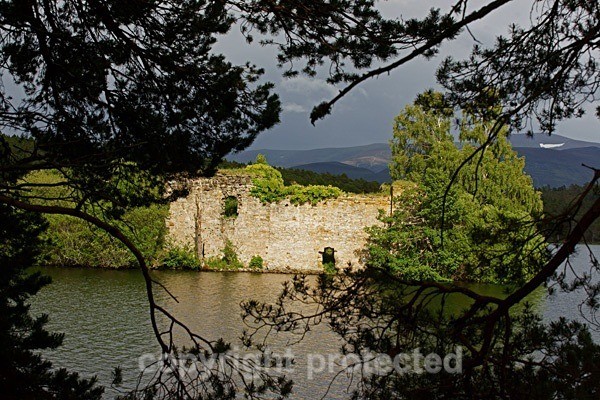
(238, 270)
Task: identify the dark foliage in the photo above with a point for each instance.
(116, 97)
(230, 207)
(24, 374)
(111, 89)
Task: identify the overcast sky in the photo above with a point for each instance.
(365, 115)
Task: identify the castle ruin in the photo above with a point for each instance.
(287, 237)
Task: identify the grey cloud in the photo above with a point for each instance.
(308, 86)
(294, 108)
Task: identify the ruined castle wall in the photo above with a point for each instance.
(286, 236)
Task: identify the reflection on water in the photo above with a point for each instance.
(104, 315)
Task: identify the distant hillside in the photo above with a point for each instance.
(555, 167)
(383, 175)
(374, 157)
(336, 168)
(520, 140)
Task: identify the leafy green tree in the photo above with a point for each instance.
(261, 159)
(488, 215)
(267, 182)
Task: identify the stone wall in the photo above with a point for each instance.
(288, 237)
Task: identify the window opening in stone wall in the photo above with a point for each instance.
(328, 259)
(230, 207)
(328, 255)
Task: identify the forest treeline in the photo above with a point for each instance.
(307, 178)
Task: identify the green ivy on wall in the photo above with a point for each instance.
(270, 188)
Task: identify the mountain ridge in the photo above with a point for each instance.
(554, 167)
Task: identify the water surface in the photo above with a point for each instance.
(104, 315)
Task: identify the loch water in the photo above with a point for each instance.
(104, 316)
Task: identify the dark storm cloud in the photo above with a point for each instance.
(366, 115)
